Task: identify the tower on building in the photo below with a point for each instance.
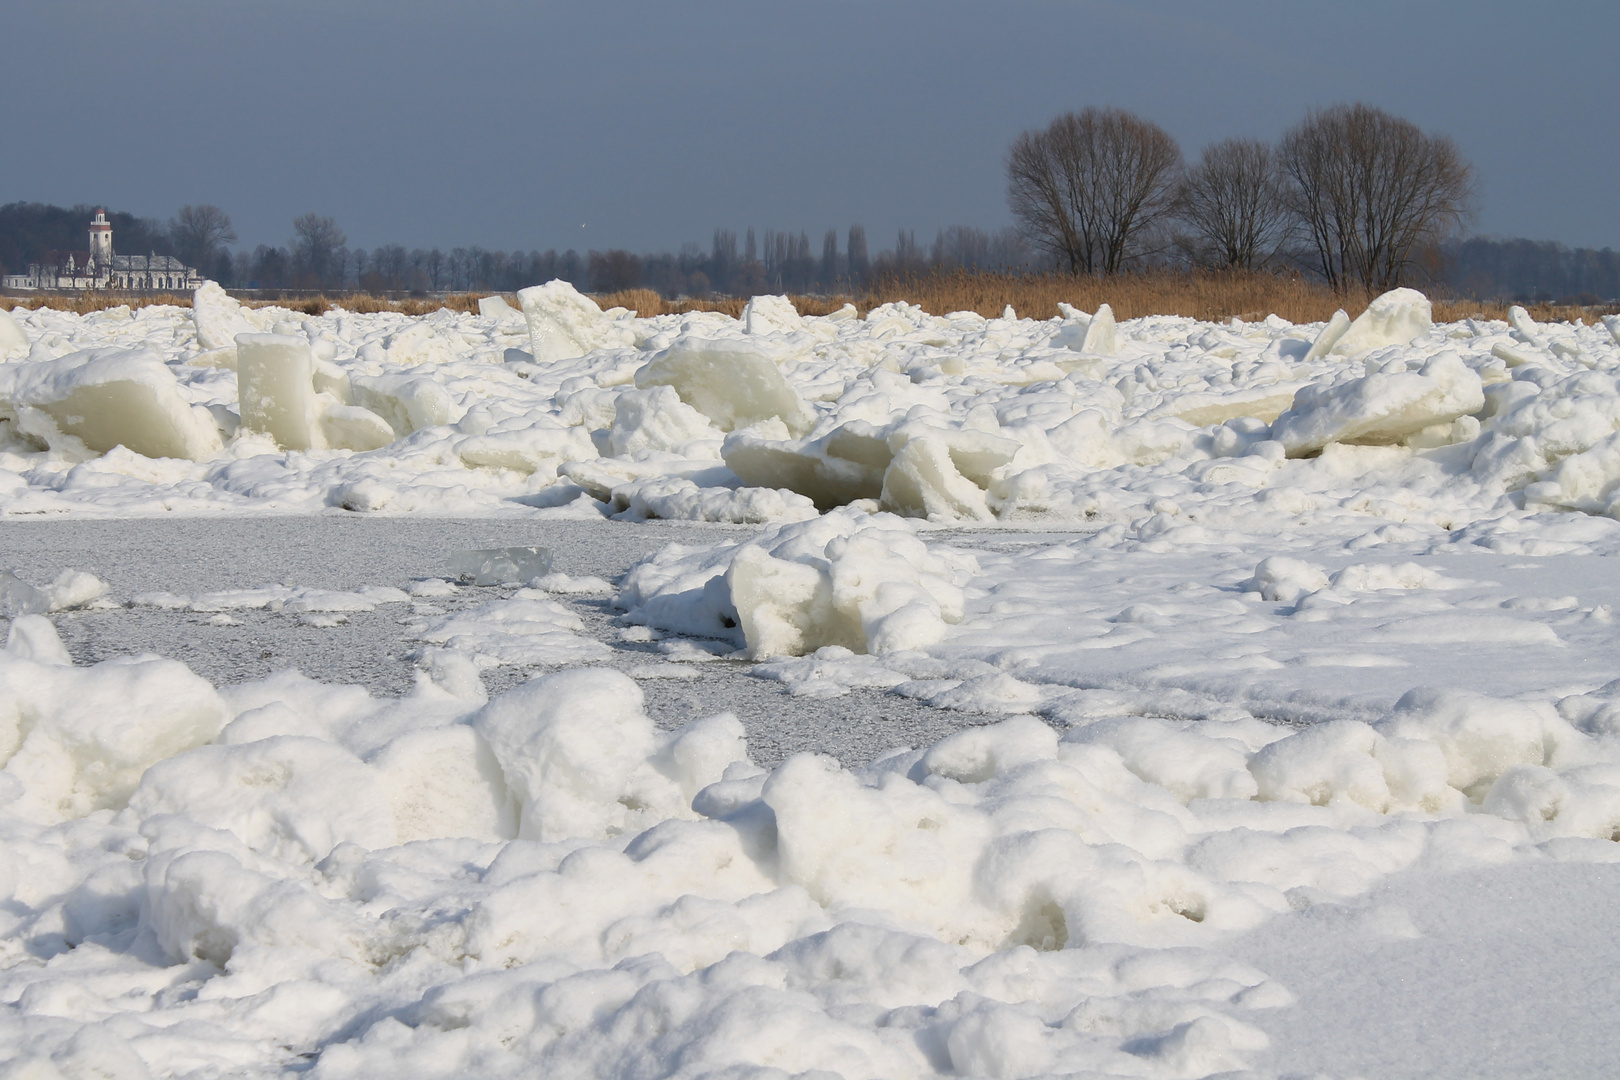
(101, 250)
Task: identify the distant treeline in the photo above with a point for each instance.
(318, 257)
(1531, 271)
(758, 263)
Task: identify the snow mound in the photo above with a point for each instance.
(440, 885)
(582, 759)
(88, 402)
(1384, 406)
(75, 740)
(862, 582)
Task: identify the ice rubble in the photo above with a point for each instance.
(952, 418)
(88, 402)
(349, 885)
(71, 589)
(845, 580)
(276, 378)
(1384, 406)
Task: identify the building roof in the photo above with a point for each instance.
(147, 262)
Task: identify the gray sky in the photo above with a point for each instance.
(623, 123)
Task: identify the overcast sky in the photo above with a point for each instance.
(643, 125)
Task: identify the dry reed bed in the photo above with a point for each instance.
(1207, 296)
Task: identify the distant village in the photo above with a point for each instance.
(99, 268)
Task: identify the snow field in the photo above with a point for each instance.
(1339, 628)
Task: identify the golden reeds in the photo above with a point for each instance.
(1201, 295)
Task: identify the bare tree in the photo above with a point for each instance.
(829, 260)
(315, 240)
(1091, 187)
(1371, 190)
(198, 234)
(859, 264)
(1234, 202)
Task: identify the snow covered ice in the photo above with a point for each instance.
(1282, 660)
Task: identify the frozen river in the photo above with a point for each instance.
(345, 552)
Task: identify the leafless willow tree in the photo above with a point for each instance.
(1092, 186)
(1233, 202)
(198, 233)
(316, 240)
(1371, 191)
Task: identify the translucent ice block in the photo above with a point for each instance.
(501, 566)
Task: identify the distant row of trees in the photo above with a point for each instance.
(1531, 271)
(1352, 193)
(318, 258)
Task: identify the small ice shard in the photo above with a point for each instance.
(218, 318)
(501, 566)
(18, 598)
(1092, 335)
(13, 342)
(1612, 322)
(1101, 338)
(1330, 335)
(1524, 327)
(349, 427)
(495, 307)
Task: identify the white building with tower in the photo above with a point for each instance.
(100, 268)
